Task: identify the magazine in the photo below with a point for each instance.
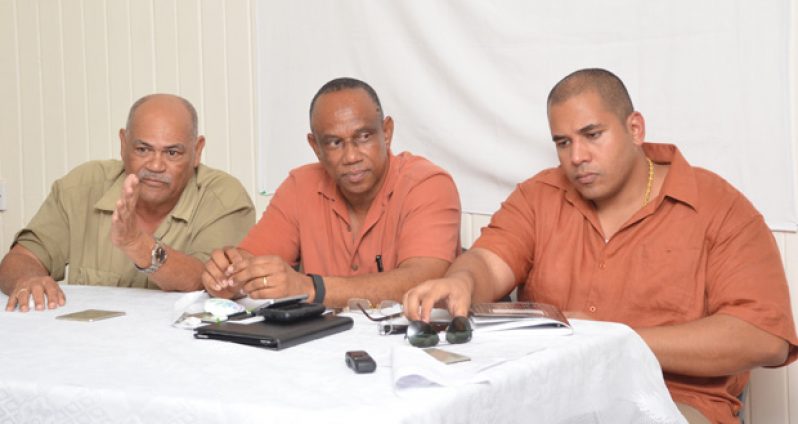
(519, 315)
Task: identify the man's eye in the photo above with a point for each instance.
(334, 144)
(141, 149)
(363, 137)
(172, 153)
(562, 143)
(594, 134)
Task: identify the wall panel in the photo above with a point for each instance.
(165, 36)
(52, 84)
(97, 83)
(30, 86)
(215, 84)
(74, 76)
(10, 134)
(189, 55)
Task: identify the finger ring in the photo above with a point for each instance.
(22, 290)
(265, 283)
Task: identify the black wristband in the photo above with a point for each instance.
(318, 285)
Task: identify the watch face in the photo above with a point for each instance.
(160, 254)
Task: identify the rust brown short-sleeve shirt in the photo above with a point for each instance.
(698, 249)
(416, 213)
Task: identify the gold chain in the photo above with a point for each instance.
(647, 197)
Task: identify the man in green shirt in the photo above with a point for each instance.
(149, 220)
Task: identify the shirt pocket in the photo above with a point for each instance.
(93, 277)
(664, 285)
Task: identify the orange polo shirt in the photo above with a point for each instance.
(416, 213)
(698, 249)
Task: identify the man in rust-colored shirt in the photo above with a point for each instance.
(363, 222)
(628, 231)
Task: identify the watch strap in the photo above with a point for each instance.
(318, 286)
(157, 258)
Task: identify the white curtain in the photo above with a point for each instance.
(466, 82)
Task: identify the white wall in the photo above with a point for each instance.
(69, 70)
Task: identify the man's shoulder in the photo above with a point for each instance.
(91, 173)
(547, 179)
(221, 184)
(714, 189)
(308, 177)
(417, 168)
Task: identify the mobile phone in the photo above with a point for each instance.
(360, 361)
(271, 303)
(90, 315)
(289, 312)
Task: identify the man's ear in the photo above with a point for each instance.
(387, 129)
(198, 150)
(122, 142)
(314, 145)
(636, 127)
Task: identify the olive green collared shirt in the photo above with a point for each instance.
(73, 226)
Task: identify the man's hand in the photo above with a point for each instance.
(419, 301)
(42, 289)
(264, 277)
(217, 275)
(124, 229)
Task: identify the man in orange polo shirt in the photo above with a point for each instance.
(628, 231)
(362, 223)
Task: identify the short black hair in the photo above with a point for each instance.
(607, 85)
(345, 83)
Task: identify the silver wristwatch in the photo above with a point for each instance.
(157, 258)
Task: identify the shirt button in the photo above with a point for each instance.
(602, 265)
(592, 309)
(354, 267)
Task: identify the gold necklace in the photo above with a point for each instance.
(647, 196)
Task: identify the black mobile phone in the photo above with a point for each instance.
(290, 312)
(360, 361)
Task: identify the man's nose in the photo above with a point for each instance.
(351, 151)
(156, 162)
(579, 153)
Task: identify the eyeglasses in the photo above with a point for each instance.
(387, 309)
(424, 334)
(364, 140)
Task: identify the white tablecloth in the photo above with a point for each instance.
(138, 368)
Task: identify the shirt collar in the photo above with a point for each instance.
(329, 189)
(679, 184)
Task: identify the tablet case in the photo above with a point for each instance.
(275, 335)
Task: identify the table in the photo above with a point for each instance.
(139, 368)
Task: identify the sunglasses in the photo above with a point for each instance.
(424, 334)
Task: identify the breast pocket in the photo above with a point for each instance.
(665, 285)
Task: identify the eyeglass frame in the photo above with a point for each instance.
(378, 319)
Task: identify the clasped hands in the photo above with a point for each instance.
(232, 272)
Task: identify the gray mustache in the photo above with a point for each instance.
(144, 174)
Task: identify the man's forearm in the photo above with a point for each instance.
(180, 272)
(489, 277)
(18, 264)
(390, 285)
(714, 346)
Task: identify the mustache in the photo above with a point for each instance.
(144, 174)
